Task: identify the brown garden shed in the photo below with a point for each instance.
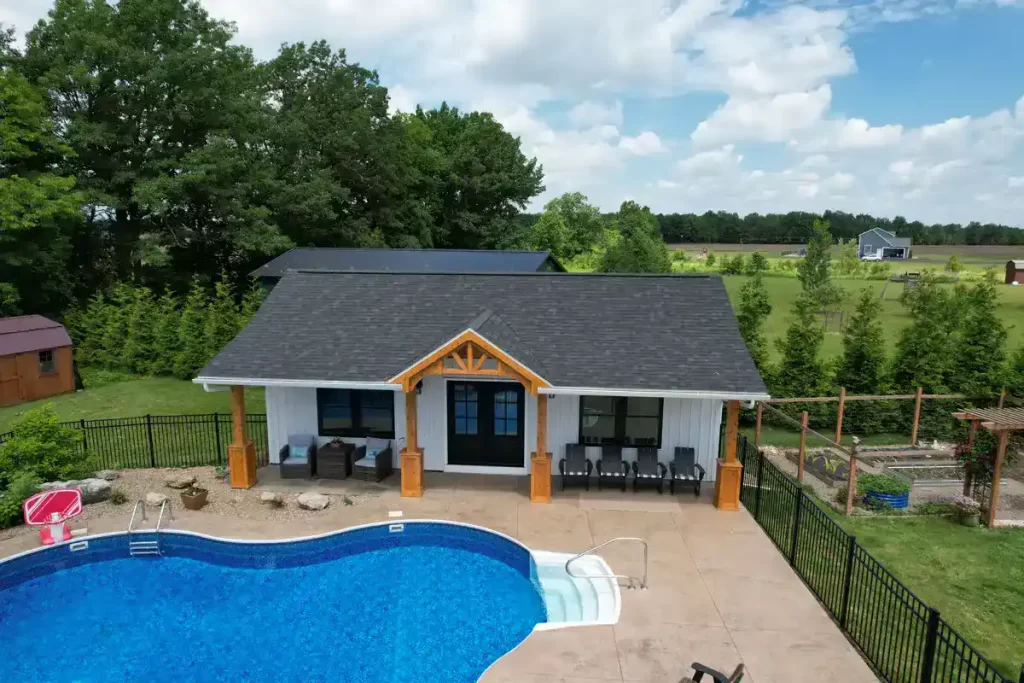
(1014, 272)
(35, 359)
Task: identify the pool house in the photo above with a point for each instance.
(539, 374)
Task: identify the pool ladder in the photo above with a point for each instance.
(632, 582)
(145, 547)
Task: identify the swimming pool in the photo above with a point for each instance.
(419, 601)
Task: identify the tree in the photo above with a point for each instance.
(757, 263)
(193, 349)
(639, 248)
(222, 323)
(166, 340)
(139, 341)
(37, 202)
(1015, 376)
(979, 343)
(814, 271)
(569, 227)
(923, 350)
(953, 264)
(485, 178)
(754, 309)
(136, 113)
(849, 262)
(800, 371)
(862, 367)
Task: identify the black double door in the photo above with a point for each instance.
(485, 424)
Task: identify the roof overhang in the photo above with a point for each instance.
(210, 382)
(659, 393)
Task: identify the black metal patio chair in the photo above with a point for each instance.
(699, 670)
(611, 467)
(647, 468)
(685, 470)
(575, 466)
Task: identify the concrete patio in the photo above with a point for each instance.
(720, 592)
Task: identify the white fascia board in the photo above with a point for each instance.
(300, 383)
(657, 393)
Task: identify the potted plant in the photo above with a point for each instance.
(881, 489)
(194, 497)
(968, 510)
(220, 471)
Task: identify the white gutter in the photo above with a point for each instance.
(209, 382)
(657, 393)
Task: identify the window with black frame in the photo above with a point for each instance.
(621, 420)
(356, 413)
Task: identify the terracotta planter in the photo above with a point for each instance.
(195, 502)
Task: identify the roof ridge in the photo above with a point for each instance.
(496, 273)
(428, 249)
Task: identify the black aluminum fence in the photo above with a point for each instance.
(904, 639)
(164, 440)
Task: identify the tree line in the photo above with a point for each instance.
(796, 227)
(141, 144)
(956, 342)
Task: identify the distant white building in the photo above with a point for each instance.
(882, 245)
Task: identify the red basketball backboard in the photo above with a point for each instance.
(40, 508)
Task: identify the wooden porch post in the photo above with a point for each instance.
(412, 455)
(241, 451)
(968, 475)
(997, 473)
(917, 416)
(730, 471)
(540, 460)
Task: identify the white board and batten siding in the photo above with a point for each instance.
(292, 410)
(686, 422)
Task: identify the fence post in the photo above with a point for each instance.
(803, 448)
(930, 641)
(844, 609)
(85, 439)
(839, 415)
(796, 525)
(757, 495)
(149, 434)
(216, 431)
(757, 429)
(917, 416)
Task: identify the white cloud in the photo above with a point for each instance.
(769, 119)
(712, 162)
(401, 98)
(589, 113)
(947, 130)
(857, 134)
(841, 182)
(667, 184)
(1015, 181)
(645, 144)
(815, 161)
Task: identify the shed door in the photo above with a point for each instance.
(10, 383)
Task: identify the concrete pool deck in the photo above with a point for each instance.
(720, 591)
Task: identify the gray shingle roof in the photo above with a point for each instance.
(408, 261)
(575, 330)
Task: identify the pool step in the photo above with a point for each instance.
(584, 599)
(143, 548)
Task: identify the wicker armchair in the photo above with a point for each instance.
(298, 457)
(374, 469)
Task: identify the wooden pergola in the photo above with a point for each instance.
(1001, 421)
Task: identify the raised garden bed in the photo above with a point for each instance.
(825, 465)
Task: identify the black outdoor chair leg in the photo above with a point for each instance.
(623, 484)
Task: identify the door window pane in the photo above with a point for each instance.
(506, 413)
(465, 409)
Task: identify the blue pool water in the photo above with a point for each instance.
(434, 603)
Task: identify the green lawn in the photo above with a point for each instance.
(974, 577)
(149, 395)
(783, 290)
(788, 438)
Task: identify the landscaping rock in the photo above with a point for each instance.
(313, 501)
(180, 482)
(109, 475)
(154, 499)
(93, 490)
(272, 499)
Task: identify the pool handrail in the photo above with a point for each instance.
(630, 580)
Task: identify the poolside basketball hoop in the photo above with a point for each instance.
(51, 510)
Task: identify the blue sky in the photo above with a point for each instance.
(910, 107)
